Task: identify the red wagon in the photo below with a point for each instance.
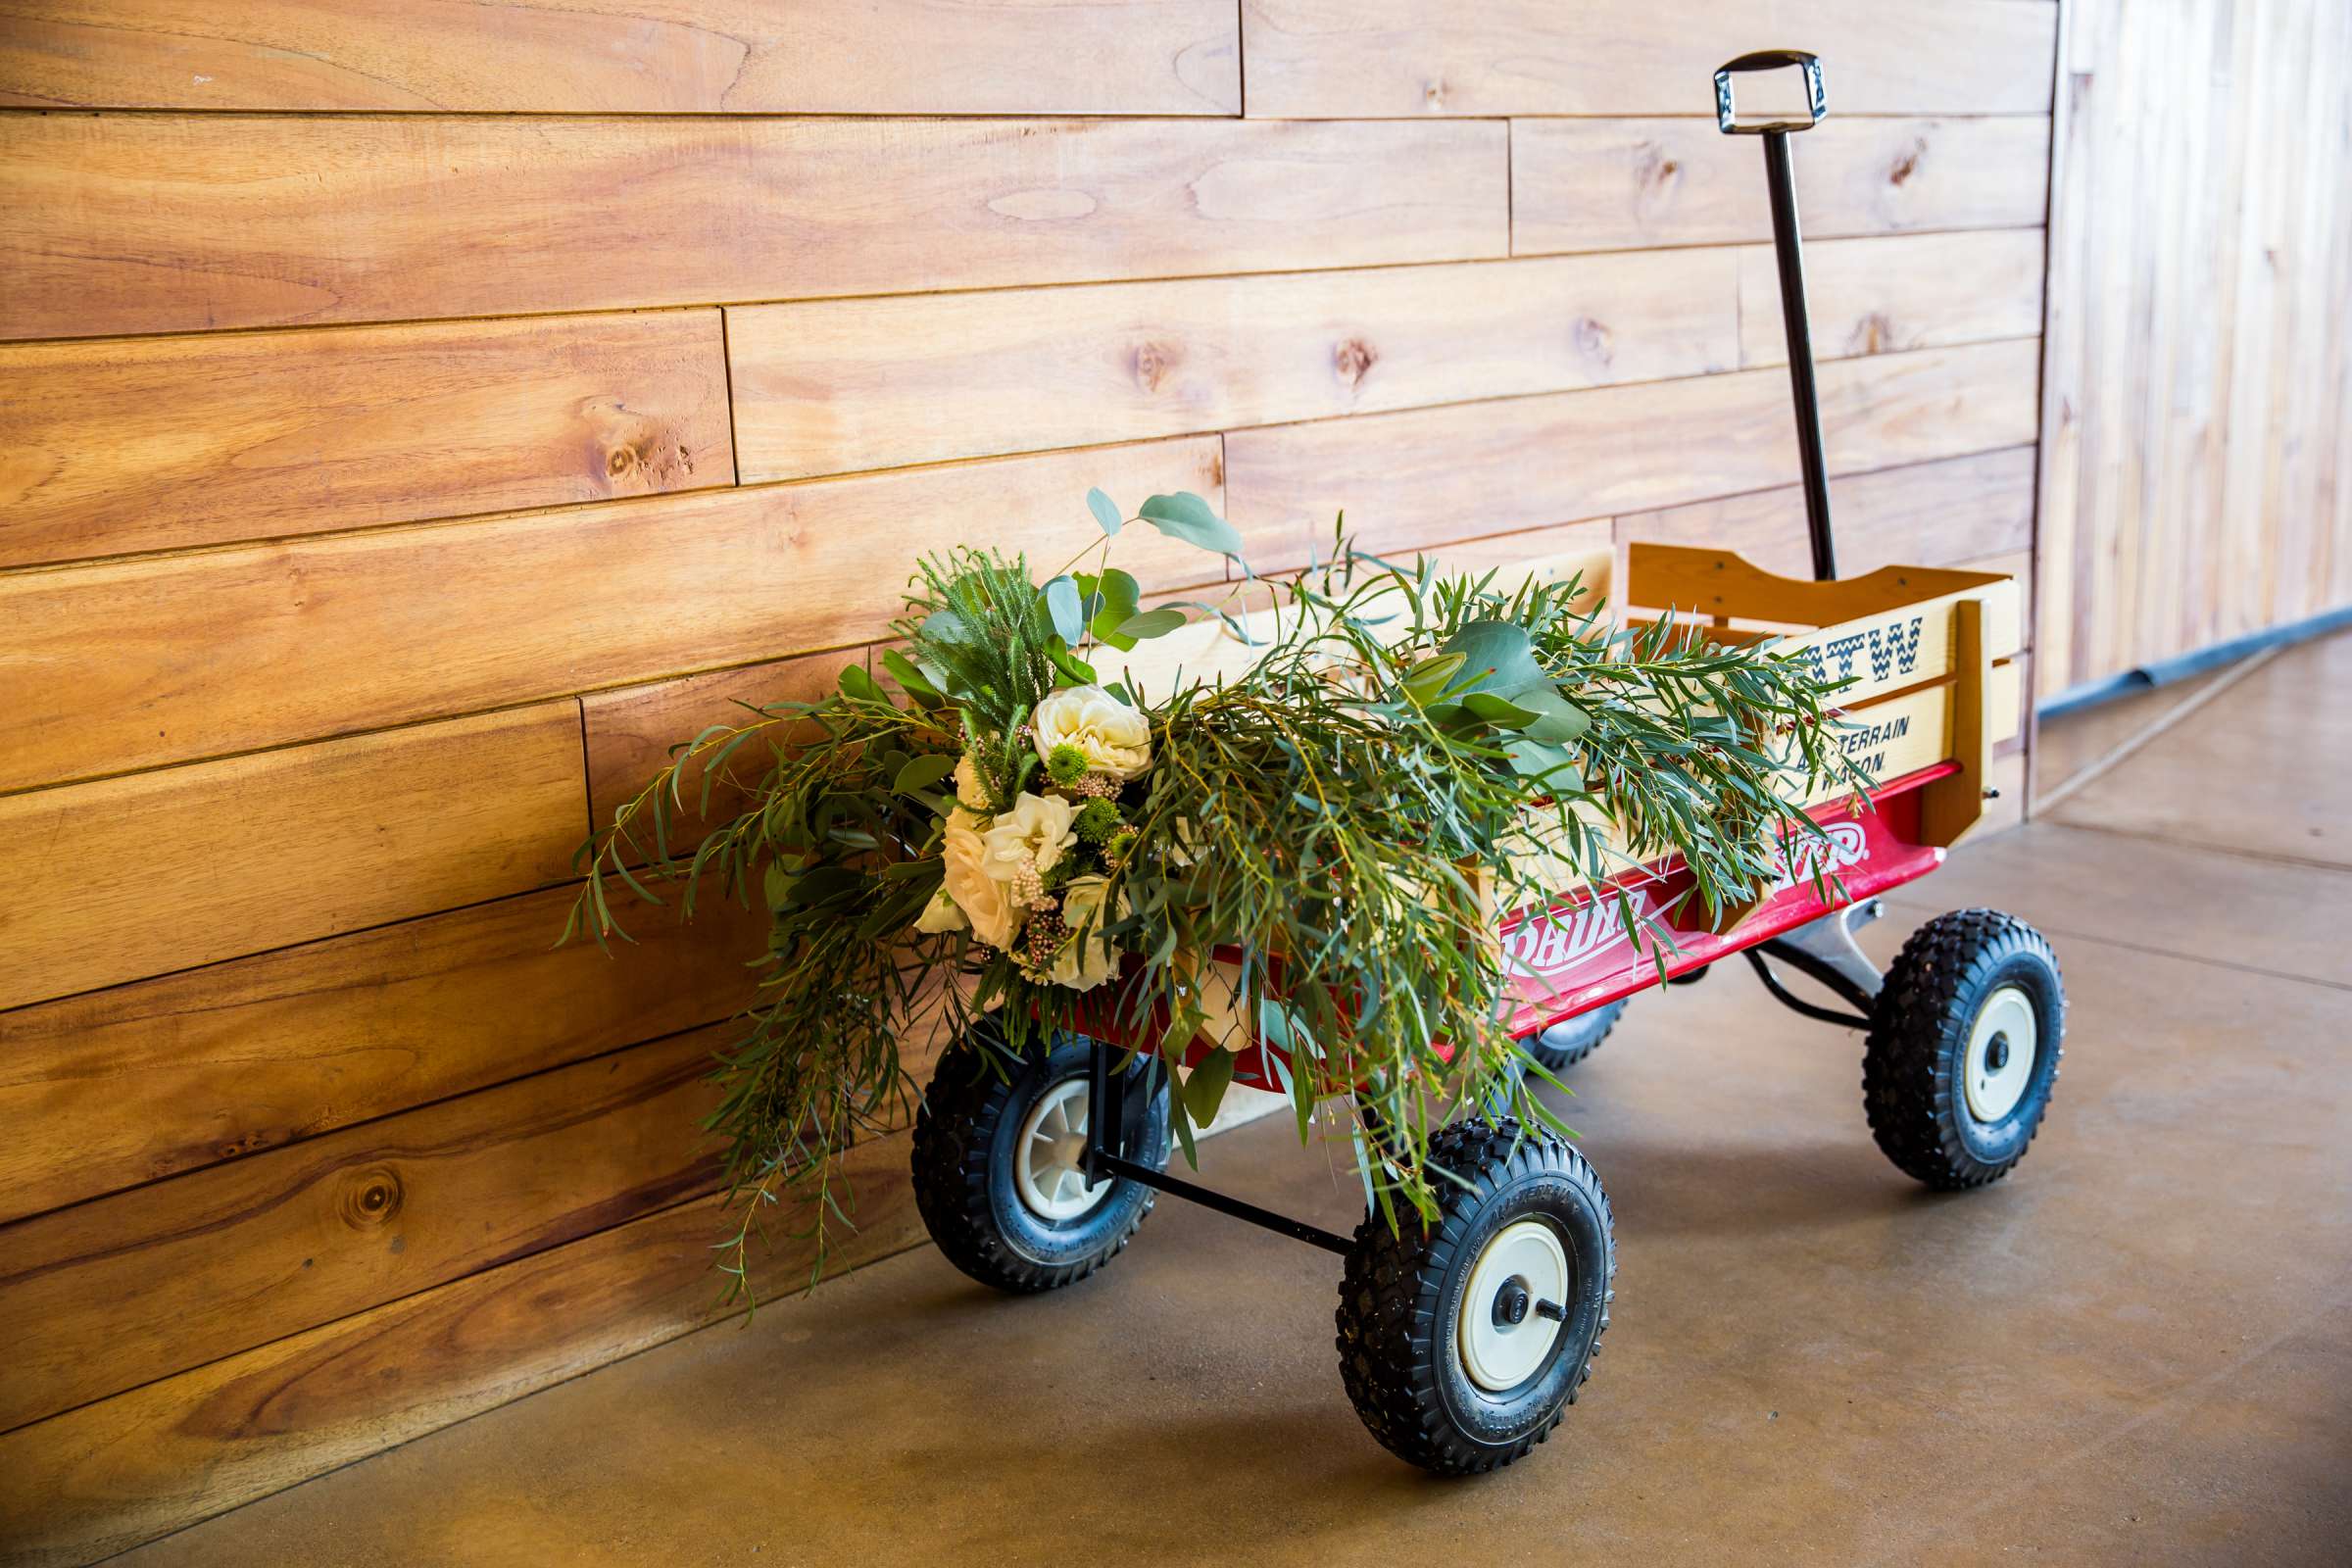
(1461, 1342)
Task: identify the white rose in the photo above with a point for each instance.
(1035, 832)
(969, 791)
(1112, 737)
(985, 902)
(940, 915)
(1085, 960)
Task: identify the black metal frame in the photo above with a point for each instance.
(1805, 963)
(1788, 249)
(1789, 253)
(1110, 1115)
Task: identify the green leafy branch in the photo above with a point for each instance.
(1341, 821)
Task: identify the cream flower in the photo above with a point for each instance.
(970, 793)
(941, 914)
(1112, 737)
(986, 901)
(1084, 960)
(1033, 834)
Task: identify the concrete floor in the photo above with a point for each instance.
(2136, 1349)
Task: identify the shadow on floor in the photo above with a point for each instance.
(2136, 1349)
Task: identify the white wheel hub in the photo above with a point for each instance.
(1505, 1333)
(1046, 1157)
(2001, 1051)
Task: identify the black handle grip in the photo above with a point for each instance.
(1726, 118)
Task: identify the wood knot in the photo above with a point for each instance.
(634, 453)
(1592, 340)
(258, 1138)
(369, 1197)
(1873, 334)
(1352, 361)
(1153, 362)
(1907, 165)
(1433, 95)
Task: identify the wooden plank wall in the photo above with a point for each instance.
(418, 416)
(2197, 473)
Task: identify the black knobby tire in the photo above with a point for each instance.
(1402, 1300)
(1914, 1086)
(965, 1154)
(1564, 1045)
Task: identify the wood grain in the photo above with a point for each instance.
(1944, 513)
(126, 1288)
(2018, 564)
(2197, 433)
(129, 877)
(360, 631)
(1431, 475)
(182, 222)
(160, 443)
(835, 385)
(341, 425)
(838, 385)
(1917, 606)
(1896, 291)
(1950, 806)
(138, 1082)
(1585, 549)
(2007, 806)
(139, 1464)
(2013, 744)
(1622, 184)
(1721, 583)
(1328, 58)
(631, 731)
(865, 57)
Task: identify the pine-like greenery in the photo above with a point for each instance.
(1326, 819)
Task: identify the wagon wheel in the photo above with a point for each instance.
(1964, 1048)
(1461, 1342)
(1564, 1045)
(997, 1179)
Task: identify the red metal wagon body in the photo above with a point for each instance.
(1575, 956)
(1464, 1333)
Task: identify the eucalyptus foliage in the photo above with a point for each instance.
(1339, 823)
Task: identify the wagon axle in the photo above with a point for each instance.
(1513, 1303)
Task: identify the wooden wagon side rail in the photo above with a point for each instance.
(1891, 635)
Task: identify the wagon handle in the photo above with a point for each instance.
(1726, 118)
(1787, 253)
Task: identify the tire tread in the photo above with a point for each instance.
(1385, 1318)
(1561, 1059)
(954, 1132)
(1908, 1081)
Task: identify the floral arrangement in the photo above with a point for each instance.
(1018, 827)
(1029, 875)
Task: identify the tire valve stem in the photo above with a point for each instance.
(1553, 1310)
